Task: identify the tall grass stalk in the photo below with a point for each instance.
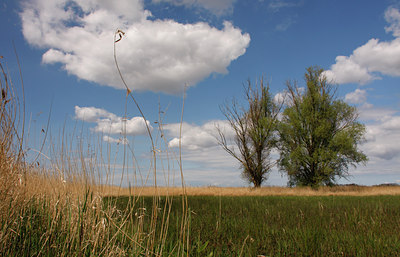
(183, 244)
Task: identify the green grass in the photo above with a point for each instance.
(287, 225)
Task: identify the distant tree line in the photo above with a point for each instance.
(315, 133)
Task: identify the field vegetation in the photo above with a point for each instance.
(288, 225)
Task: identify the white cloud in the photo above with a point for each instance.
(382, 132)
(109, 139)
(121, 126)
(346, 70)
(357, 97)
(219, 7)
(370, 59)
(110, 124)
(159, 55)
(196, 137)
(383, 138)
(93, 114)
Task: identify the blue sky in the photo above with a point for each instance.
(213, 47)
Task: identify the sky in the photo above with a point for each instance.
(202, 51)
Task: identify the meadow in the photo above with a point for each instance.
(286, 225)
(333, 222)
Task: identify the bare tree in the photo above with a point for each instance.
(254, 126)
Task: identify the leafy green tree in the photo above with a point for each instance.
(254, 127)
(319, 133)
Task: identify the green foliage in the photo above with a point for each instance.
(319, 134)
(255, 132)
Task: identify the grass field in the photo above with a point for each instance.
(287, 225)
(61, 219)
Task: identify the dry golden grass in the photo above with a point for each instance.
(246, 191)
(40, 184)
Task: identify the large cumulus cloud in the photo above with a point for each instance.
(155, 55)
